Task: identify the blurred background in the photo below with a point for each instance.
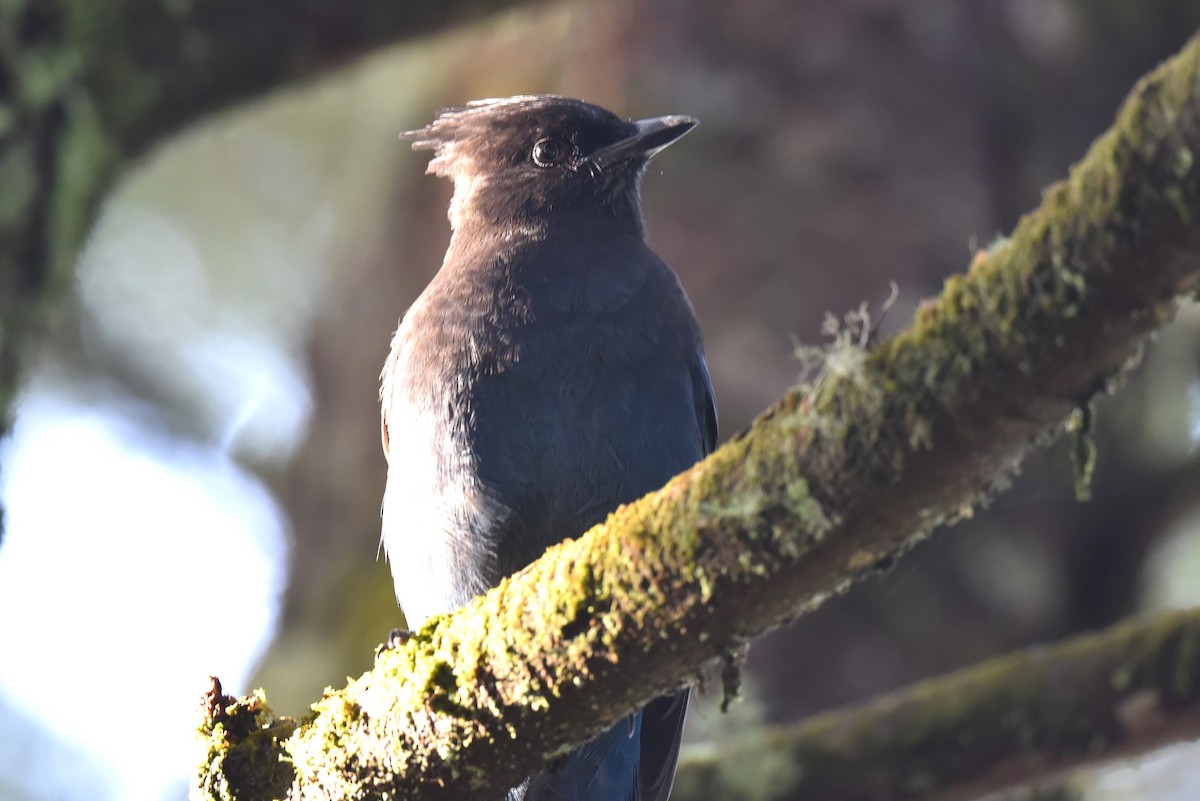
(194, 478)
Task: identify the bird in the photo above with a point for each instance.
(552, 370)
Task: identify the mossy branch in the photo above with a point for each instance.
(1006, 723)
(835, 480)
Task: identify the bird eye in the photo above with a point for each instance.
(548, 152)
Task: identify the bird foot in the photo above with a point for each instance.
(395, 639)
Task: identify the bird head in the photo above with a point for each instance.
(517, 161)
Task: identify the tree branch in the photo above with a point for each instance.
(86, 87)
(836, 480)
(1007, 723)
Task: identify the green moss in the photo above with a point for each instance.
(242, 757)
(1082, 426)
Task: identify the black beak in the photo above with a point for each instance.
(649, 136)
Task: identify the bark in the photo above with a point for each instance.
(834, 482)
(1006, 723)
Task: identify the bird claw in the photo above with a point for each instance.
(395, 639)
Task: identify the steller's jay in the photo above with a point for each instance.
(552, 370)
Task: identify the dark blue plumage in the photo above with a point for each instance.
(552, 370)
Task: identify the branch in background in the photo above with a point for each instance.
(1008, 722)
(833, 482)
(85, 87)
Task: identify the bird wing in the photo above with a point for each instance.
(662, 732)
(706, 403)
(662, 718)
